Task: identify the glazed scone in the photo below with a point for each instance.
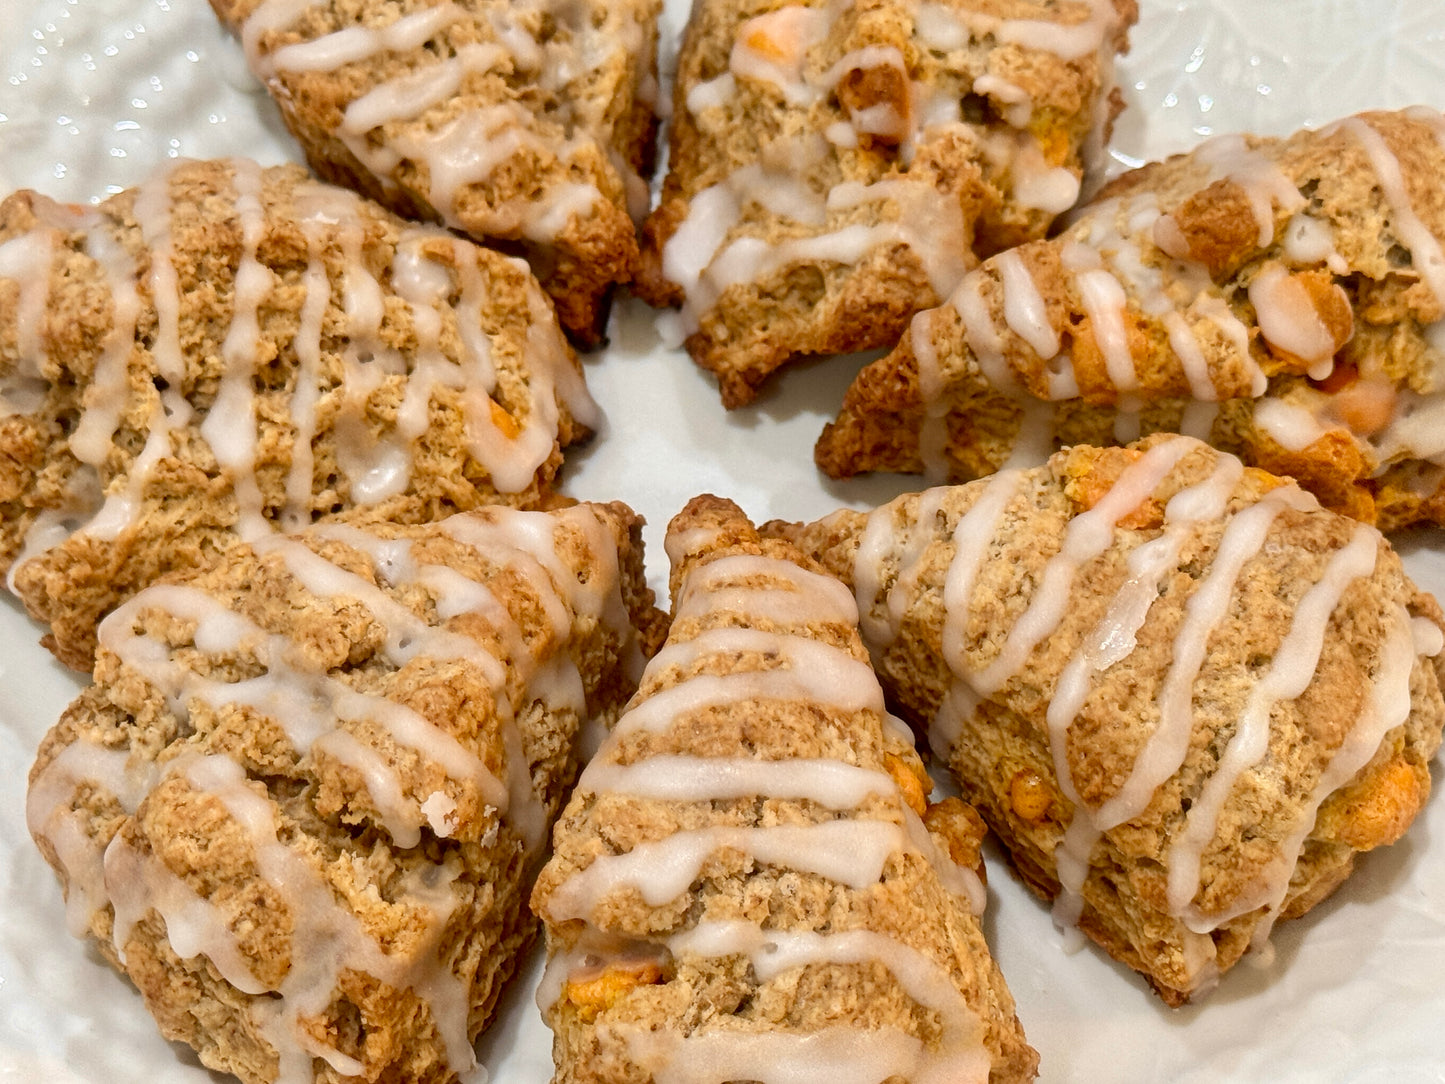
(302, 803)
(1183, 694)
(741, 886)
(834, 167)
(522, 123)
(228, 349)
(1284, 299)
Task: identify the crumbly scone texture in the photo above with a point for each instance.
(834, 168)
(525, 125)
(631, 981)
(228, 348)
(301, 804)
(1281, 298)
(905, 560)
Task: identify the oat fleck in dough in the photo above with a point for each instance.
(228, 349)
(742, 885)
(526, 124)
(301, 804)
(1183, 694)
(835, 166)
(1282, 298)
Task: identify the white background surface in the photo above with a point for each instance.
(95, 93)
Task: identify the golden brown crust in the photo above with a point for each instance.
(324, 870)
(560, 96)
(1274, 245)
(628, 959)
(391, 369)
(831, 171)
(1003, 753)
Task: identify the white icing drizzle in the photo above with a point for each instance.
(779, 590)
(314, 710)
(296, 511)
(1087, 535)
(230, 424)
(702, 259)
(718, 1054)
(1288, 319)
(432, 287)
(1292, 426)
(850, 852)
(1308, 240)
(1104, 301)
(972, 538)
(1023, 306)
(918, 533)
(809, 670)
(1067, 41)
(1387, 707)
(717, 246)
(831, 783)
(772, 48)
(1265, 185)
(411, 116)
(1425, 252)
(852, 849)
(1289, 674)
(49, 816)
(326, 938)
(933, 429)
(1113, 639)
(109, 389)
(26, 260)
(353, 43)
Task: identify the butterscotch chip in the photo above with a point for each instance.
(1182, 728)
(524, 125)
(739, 880)
(302, 802)
(1281, 298)
(835, 168)
(227, 350)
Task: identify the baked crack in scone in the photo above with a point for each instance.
(523, 123)
(228, 349)
(742, 886)
(1284, 299)
(834, 165)
(302, 802)
(1183, 694)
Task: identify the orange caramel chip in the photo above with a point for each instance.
(914, 785)
(958, 826)
(504, 422)
(596, 995)
(1030, 795)
(1092, 473)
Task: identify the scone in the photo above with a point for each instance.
(227, 349)
(834, 167)
(300, 806)
(741, 886)
(524, 125)
(1284, 299)
(1183, 694)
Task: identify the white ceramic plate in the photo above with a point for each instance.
(95, 93)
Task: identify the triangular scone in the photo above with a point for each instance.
(523, 123)
(228, 349)
(301, 804)
(1183, 694)
(834, 165)
(1284, 299)
(741, 887)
